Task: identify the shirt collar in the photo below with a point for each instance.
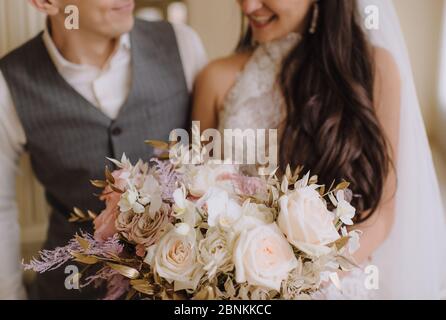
(62, 63)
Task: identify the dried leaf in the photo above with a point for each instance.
(126, 271)
(99, 183)
(91, 214)
(109, 176)
(78, 212)
(83, 242)
(207, 293)
(158, 144)
(288, 172)
(333, 199)
(322, 190)
(143, 286)
(343, 185)
(284, 186)
(313, 180)
(341, 243)
(84, 258)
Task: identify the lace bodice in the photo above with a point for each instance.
(255, 100)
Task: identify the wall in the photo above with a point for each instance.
(422, 22)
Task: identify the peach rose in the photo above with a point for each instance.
(263, 257)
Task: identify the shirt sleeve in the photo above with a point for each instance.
(192, 52)
(12, 140)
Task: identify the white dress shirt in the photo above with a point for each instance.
(107, 89)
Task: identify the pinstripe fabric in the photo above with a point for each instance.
(69, 139)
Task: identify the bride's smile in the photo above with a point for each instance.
(272, 19)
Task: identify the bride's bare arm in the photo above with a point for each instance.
(211, 88)
(387, 97)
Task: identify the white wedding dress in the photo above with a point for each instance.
(412, 261)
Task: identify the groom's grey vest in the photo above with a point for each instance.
(69, 139)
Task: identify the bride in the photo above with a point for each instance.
(343, 101)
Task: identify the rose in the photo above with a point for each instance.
(125, 222)
(252, 215)
(306, 221)
(216, 252)
(202, 178)
(263, 257)
(147, 230)
(175, 258)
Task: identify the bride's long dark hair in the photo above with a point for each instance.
(331, 127)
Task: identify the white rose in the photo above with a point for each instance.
(306, 221)
(216, 252)
(263, 257)
(205, 177)
(176, 258)
(252, 215)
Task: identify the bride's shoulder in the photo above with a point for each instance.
(220, 75)
(386, 67)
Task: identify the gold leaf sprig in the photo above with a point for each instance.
(80, 216)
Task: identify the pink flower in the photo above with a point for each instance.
(104, 224)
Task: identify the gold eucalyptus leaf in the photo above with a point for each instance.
(164, 156)
(73, 218)
(143, 286)
(126, 271)
(313, 180)
(99, 183)
(84, 258)
(343, 185)
(341, 243)
(158, 144)
(92, 215)
(109, 176)
(78, 212)
(206, 293)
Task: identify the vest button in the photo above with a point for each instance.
(116, 131)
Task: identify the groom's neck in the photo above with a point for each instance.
(81, 46)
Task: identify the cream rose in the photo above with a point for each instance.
(306, 221)
(176, 258)
(216, 252)
(263, 257)
(205, 177)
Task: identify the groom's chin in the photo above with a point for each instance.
(123, 26)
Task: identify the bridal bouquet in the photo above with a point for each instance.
(180, 231)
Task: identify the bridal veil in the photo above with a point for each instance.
(412, 261)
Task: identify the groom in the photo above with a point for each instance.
(79, 96)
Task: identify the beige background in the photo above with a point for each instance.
(218, 23)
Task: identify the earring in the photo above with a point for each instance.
(315, 18)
